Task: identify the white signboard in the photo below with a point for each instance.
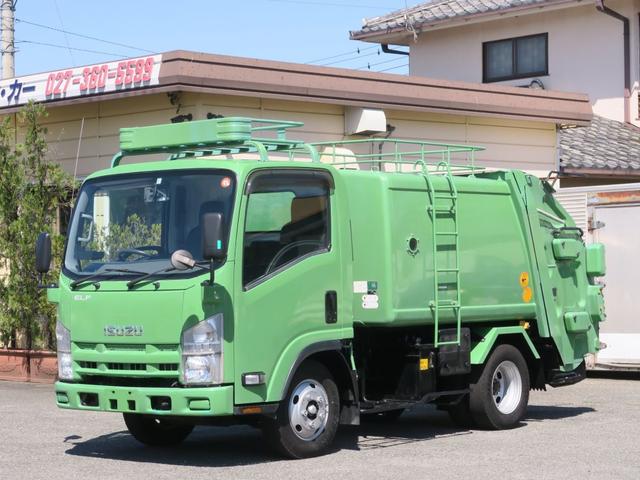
(107, 77)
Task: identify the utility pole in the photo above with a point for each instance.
(7, 45)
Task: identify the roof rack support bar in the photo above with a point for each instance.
(312, 151)
(115, 161)
(260, 148)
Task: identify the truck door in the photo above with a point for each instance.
(290, 274)
(560, 255)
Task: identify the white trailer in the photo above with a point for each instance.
(611, 214)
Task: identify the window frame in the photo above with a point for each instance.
(312, 173)
(514, 59)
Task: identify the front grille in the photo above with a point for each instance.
(127, 366)
(169, 347)
(130, 381)
(126, 359)
(167, 367)
(124, 347)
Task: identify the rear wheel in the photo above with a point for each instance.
(499, 399)
(156, 431)
(307, 419)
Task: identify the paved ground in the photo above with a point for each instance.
(590, 430)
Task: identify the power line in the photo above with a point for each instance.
(83, 36)
(369, 65)
(66, 37)
(332, 4)
(350, 52)
(350, 59)
(72, 48)
(392, 68)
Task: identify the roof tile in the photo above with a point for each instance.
(439, 11)
(605, 144)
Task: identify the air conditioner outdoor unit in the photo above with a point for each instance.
(364, 121)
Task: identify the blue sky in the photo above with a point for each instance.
(292, 30)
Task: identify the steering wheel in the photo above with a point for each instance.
(278, 257)
(125, 253)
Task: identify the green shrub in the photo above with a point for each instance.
(31, 191)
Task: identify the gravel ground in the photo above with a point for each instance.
(589, 430)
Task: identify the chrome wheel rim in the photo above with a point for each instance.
(308, 410)
(506, 387)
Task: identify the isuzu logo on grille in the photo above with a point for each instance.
(123, 330)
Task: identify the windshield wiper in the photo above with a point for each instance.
(90, 278)
(135, 281)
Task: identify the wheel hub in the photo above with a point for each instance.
(308, 410)
(506, 387)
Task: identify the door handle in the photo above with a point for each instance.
(331, 307)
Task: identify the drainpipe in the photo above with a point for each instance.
(386, 49)
(601, 7)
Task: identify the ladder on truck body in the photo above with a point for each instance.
(442, 238)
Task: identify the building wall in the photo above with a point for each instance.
(585, 52)
(509, 143)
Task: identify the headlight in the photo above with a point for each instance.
(202, 352)
(63, 341)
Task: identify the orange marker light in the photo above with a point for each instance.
(251, 410)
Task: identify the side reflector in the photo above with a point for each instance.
(253, 378)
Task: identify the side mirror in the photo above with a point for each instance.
(43, 253)
(212, 233)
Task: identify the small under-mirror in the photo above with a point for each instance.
(182, 260)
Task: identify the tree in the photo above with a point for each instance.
(31, 191)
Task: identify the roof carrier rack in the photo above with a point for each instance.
(227, 135)
(238, 135)
(401, 156)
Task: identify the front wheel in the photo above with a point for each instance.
(156, 431)
(307, 419)
(499, 399)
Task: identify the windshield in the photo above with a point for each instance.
(135, 222)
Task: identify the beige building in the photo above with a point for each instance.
(517, 126)
(590, 46)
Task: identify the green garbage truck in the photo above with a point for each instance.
(240, 276)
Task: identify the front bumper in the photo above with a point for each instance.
(210, 401)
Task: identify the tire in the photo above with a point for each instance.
(300, 430)
(499, 399)
(156, 431)
(460, 413)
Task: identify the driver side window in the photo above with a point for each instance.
(287, 219)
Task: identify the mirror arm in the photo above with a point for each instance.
(208, 283)
(42, 285)
(211, 272)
